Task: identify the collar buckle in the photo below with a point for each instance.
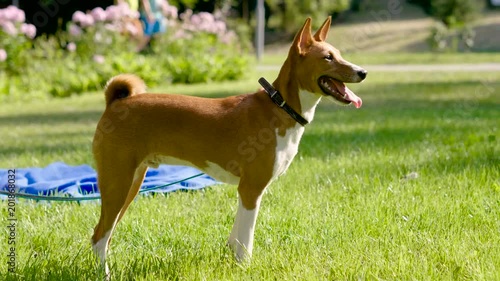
(279, 101)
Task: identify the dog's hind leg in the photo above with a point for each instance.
(115, 181)
(139, 175)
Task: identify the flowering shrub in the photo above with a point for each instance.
(15, 39)
(201, 48)
(101, 33)
(99, 44)
(192, 24)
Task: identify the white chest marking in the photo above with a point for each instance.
(288, 145)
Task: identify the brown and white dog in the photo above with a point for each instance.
(248, 140)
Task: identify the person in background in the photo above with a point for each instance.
(132, 26)
(152, 21)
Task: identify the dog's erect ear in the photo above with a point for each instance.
(303, 39)
(322, 32)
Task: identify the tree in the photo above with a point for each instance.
(455, 23)
(294, 12)
(456, 13)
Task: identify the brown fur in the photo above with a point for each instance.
(236, 133)
(124, 85)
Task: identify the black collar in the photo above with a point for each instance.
(279, 101)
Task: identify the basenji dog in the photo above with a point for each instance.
(248, 140)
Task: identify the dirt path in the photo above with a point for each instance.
(480, 67)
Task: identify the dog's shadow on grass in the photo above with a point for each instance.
(54, 118)
(46, 148)
(63, 135)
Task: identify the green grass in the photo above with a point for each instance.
(343, 211)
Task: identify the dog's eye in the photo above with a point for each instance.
(329, 57)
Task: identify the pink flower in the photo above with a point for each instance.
(168, 11)
(186, 15)
(9, 28)
(219, 26)
(125, 11)
(98, 14)
(206, 17)
(196, 19)
(71, 47)
(112, 13)
(87, 21)
(75, 30)
(83, 19)
(14, 14)
(29, 30)
(118, 12)
(203, 22)
(98, 59)
(3, 55)
(78, 17)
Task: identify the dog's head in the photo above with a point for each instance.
(321, 69)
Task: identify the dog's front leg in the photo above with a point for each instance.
(242, 234)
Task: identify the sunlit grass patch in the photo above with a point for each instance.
(405, 188)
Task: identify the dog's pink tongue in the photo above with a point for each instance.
(349, 95)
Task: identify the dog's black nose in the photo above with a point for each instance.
(362, 74)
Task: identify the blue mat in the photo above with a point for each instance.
(60, 179)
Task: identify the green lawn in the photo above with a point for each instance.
(346, 209)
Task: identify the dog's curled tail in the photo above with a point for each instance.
(122, 86)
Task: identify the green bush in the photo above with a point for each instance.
(198, 48)
(425, 4)
(201, 48)
(15, 40)
(456, 13)
(17, 50)
(454, 29)
(200, 58)
(293, 12)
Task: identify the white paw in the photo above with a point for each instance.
(241, 253)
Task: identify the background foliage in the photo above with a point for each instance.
(455, 23)
(78, 58)
(456, 12)
(293, 12)
(99, 44)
